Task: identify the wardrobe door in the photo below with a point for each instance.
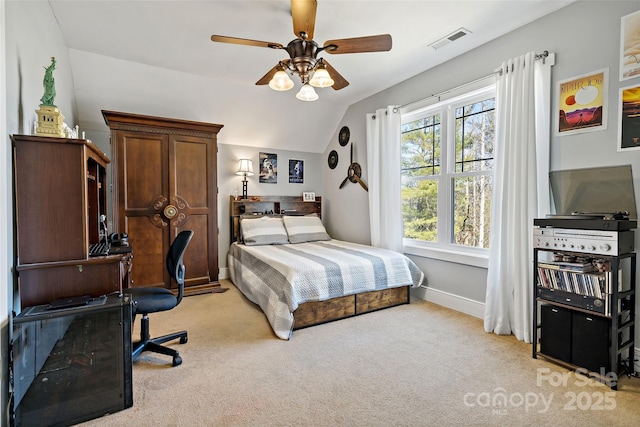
(193, 191)
(143, 183)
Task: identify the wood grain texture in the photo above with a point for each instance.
(318, 312)
(52, 210)
(313, 313)
(42, 283)
(276, 205)
(375, 300)
(163, 163)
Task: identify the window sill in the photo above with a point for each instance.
(473, 259)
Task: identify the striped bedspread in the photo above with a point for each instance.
(280, 277)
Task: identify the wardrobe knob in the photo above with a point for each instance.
(170, 211)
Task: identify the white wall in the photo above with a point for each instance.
(5, 224)
(585, 37)
(228, 181)
(32, 38)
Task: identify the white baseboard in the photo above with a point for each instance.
(454, 302)
(223, 273)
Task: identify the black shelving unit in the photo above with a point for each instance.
(593, 334)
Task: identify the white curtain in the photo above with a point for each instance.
(521, 156)
(383, 164)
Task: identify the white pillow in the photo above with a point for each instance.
(307, 228)
(263, 231)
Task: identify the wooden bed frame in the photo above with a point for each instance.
(314, 313)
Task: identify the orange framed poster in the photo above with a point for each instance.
(582, 103)
(629, 113)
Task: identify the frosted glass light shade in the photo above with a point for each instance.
(280, 81)
(321, 78)
(245, 167)
(307, 93)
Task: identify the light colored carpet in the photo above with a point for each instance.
(413, 365)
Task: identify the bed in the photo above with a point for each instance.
(299, 276)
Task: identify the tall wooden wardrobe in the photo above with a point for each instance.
(164, 181)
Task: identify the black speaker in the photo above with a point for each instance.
(591, 342)
(555, 332)
(71, 365)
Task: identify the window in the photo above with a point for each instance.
(447, 172)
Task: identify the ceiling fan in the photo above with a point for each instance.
(303, 53)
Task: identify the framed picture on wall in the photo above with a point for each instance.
(629, 113)
(296, 171)
(630, 46)
(308, 197)
(268, 168)
(582, 103)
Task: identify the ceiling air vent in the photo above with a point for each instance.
(461, 32)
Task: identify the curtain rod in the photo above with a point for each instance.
(538, 56)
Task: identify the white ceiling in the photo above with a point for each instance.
(157, 58)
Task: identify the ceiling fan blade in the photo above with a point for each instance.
(351, 161)
(339, 82)
(246, 42)
(361, 182)
(267, 77)
(344, 182)
(380, 43)
(303, 13)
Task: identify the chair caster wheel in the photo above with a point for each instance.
(183, 340)
(177, 360)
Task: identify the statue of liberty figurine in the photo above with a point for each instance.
(49, 85)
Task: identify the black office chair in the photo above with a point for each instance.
(152, 300)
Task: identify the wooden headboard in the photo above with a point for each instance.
(268, 205)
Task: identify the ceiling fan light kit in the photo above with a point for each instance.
(303, 51)
(281, 81)
(321, 78)
(307, 93)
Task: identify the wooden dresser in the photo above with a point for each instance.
(60, 193)
(165, 181)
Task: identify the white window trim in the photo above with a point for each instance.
(467, 256)
(478, 257)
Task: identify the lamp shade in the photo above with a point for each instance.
(321, 78)
(280, 81)
(307, 93)
(245, 167)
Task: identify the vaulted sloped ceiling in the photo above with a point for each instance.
(157, 58)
